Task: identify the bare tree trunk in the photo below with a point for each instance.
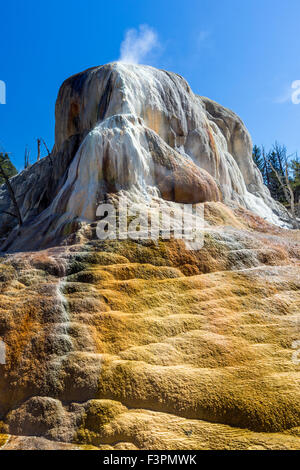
(26, 158)
(285, 191)
(288, 191)
(39, 149)
(266, 166)
(48, 151)
(12, 195)
(292, 198)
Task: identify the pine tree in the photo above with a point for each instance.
(7, 167)
(257, 157)
(280, 174)
(274, 168)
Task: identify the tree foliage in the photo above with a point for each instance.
(281, 174)
(7, 167)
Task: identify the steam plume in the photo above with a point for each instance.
(137, 44)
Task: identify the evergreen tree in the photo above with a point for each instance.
(7, 170)
(257, 157)
(275, 169)
(281, 175)
(7, 167)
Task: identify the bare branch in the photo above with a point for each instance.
(286, 193)
(9, 213)
(46, 147)
(39, 149)
(290, 189)
(49, 153)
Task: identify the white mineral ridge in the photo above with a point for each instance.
(144, 131)
(213, 137)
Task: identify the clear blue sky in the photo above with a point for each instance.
(241, 53)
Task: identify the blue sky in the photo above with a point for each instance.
(243, 54)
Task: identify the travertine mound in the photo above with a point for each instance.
(139, 129)
(144, 345)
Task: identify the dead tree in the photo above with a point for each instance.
(26, 158)
(48, 152)
(45, 145)
(286, 187)
(11, 192)
(38, 149)
(265, 166)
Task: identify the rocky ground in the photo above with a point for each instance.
(146, 345)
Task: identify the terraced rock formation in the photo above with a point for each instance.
(136, 129)
(146, 344)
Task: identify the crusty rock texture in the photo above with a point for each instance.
(139, 129)
(146, 344)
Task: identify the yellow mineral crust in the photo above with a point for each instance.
(145, 345)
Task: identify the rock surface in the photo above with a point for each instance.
(144, 344)
(138, 129)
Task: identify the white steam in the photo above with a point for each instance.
(137, 44)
